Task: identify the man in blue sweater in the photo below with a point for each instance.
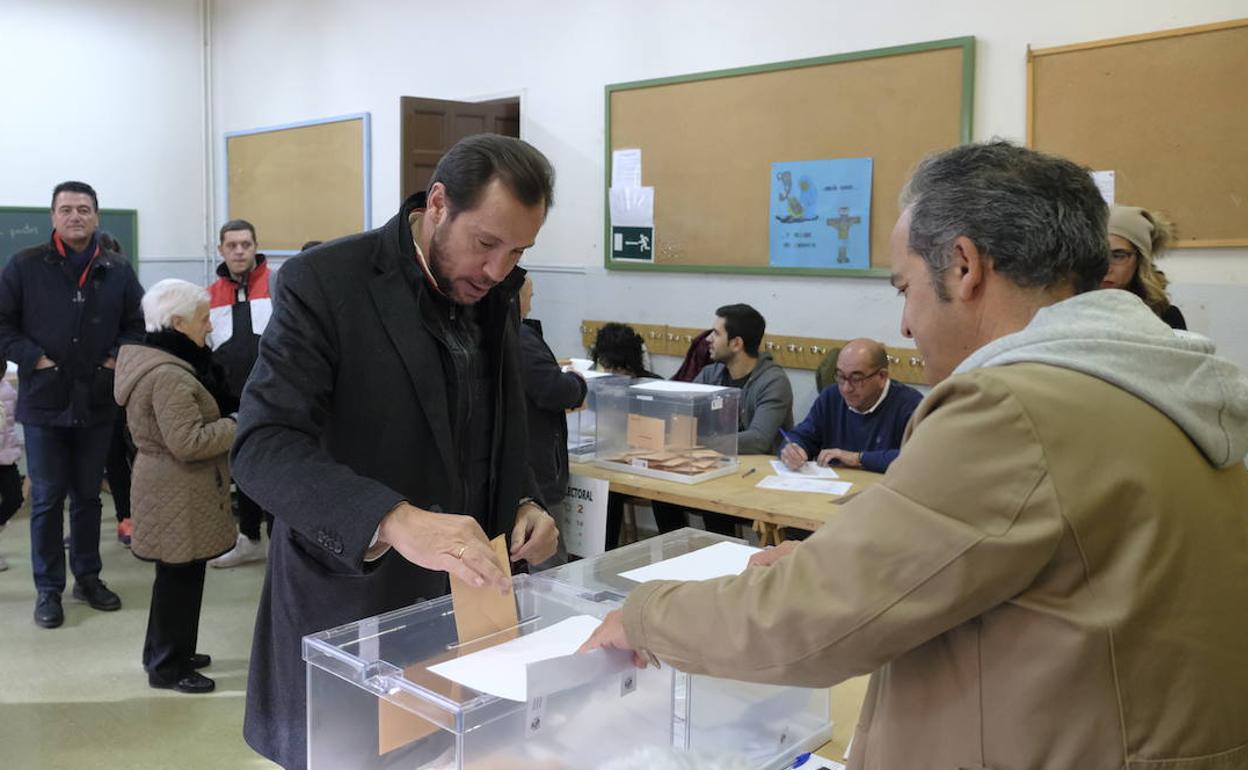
(859, 421)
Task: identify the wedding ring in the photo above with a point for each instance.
(460, 553)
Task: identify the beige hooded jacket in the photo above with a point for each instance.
(1052, 576)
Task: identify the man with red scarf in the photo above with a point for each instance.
(65, 308)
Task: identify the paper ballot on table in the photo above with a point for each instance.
(502, 670)
(810, 470)
(796, 484)
(707, 563)
(817, 762)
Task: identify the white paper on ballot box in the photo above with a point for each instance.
(714, 561)
(504, 669)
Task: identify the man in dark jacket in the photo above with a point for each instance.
(550, 392)
(65, 308)
(383, 425)
(240, 308)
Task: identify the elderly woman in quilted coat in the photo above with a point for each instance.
(174, 401)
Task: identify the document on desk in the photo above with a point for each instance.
(795, 484)
(809, 470)
(502, 670)
(707, 563)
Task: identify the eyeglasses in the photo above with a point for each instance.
(855, 379)
(1122, 255)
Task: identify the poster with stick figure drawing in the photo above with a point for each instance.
(820, 214)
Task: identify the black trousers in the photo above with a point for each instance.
(249, 515)
(10, 492)
(671, 517)
(118, 465)
(173, 620)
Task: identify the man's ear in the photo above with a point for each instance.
(436, 203)
(968, 270)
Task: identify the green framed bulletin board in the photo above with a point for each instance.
(708, 142)
(23, 226)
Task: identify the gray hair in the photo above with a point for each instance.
(1039, 218)
(168, 298)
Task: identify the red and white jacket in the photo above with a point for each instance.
(239, 312)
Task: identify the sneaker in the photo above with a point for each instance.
(244, 551)
(91, 589)
(193, 683)
(48, 610)
(125, 528)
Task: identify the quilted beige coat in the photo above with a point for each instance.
(181, 486)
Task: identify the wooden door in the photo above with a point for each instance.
(431, 126)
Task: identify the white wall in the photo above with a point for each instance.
(109, 92)
(328, 57)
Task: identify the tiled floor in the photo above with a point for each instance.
(77, 696)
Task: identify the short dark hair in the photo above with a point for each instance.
(618, 346)
(235, 225)
(1039, 218)
(743, 321)
(310, 244)
(76, 187)
(468, 168)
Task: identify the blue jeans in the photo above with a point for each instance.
(65, 461)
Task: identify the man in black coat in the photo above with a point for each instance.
(550, 392)
(383, 425)
(65, 308)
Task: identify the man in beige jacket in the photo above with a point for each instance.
(1053, 574)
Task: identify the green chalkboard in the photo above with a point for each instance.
(22, 226)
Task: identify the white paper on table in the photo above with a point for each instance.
(1104, 181)
(632, 206)
(626, 168)
(796, 484)
(817, 762)
(810, 470)
(707, 563)
(502, 670)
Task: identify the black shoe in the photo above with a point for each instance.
(48, 610)
(193, 683)
(91, 589)
(200, 660)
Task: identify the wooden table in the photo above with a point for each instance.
(737, 494)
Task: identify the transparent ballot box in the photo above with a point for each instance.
(678, 431)
(583, 422)
(770, 725)
(374, 700)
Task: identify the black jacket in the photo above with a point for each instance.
(550, 391)
(43, 312)
(344, 417)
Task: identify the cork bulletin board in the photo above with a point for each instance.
(300, 182)
(1166, 111)
(708, 142)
